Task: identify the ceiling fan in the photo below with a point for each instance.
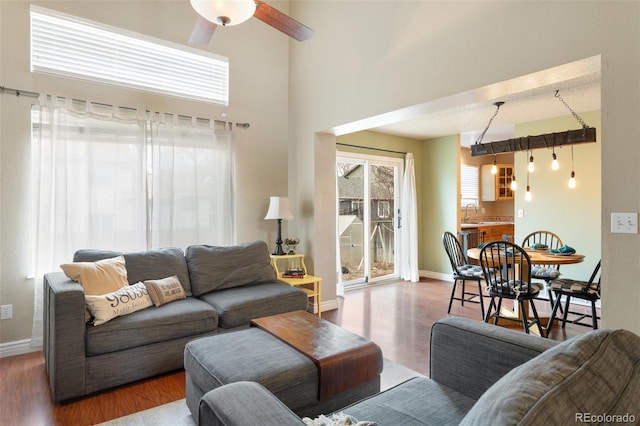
(233, 12)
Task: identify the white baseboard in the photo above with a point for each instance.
(436, 276)
(17, 347)
(329, 305)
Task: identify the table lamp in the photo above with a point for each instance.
(279, 209)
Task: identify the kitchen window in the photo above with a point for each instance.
(469, 185)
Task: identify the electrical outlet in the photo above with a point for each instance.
(520, 212)
(7, 312)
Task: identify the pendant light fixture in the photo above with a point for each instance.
(554, 162)
(528, 143)
(572, 179)
(514, 184)
(531, 166)
(527, 194)
(494, 168)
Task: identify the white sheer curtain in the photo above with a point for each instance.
(409, 230)
(192, 183)
(88, 185)
(110, 178)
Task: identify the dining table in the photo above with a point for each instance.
(537, 257)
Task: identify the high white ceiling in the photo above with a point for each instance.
(527, 98)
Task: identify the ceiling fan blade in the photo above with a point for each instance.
(282, 22)
(202, 31)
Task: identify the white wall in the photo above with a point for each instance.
(258, 57)
(371, 58)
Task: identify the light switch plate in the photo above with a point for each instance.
(624, 223)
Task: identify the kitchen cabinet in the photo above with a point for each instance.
(495, 232)
(496, 187)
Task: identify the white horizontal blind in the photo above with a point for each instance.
(469, 185)
(65, 45)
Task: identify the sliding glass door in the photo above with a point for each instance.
(368, 189)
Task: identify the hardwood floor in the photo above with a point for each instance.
(26, 398)
(397, 316)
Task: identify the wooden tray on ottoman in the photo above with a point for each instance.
(344, 360)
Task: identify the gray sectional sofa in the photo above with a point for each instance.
(225, 288)
(481, 374)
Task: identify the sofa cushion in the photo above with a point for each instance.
(597, 373)
(127, 300)
(417, 401)
(145, 265)
(98, 277)
(239, 305)
(165, 290)
(182, 318)
(216, 268)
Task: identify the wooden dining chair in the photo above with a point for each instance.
(546, 273)
(462, 271)
(507, 271)
(585, 290)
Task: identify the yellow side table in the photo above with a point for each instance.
(307, 283)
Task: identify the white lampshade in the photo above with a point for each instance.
(225, 12)
(279, 208)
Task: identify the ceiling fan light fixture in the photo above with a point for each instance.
(225, 12)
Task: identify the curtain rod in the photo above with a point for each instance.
(373, 149)
(19, 92)
(28, 93)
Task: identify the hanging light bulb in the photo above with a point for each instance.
(514, 185)
(527, 195)
(572, 179)
(494, 168)
(554, 162)
(531, 167)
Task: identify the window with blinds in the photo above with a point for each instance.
(66, 45)
(469, 185)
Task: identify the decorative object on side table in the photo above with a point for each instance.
(294, 273)
(291, 244)
(279, 209)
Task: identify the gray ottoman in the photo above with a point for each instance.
(255, 355)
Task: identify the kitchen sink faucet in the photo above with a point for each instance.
(466, 213)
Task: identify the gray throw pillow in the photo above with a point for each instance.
(145, 265)
(215, 268)
(596, 374)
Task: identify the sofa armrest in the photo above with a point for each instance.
(470, 356)
(228, 406)
(64, 336)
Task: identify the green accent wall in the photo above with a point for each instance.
(439, 195)
(574, 214)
